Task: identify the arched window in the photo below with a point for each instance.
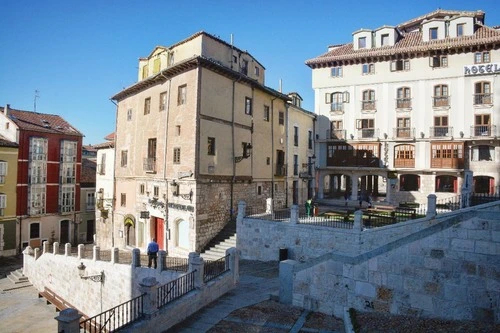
(482, 93)
(484, 184)
(403, 98)
(337, 100)
(446, 184)
(409, 182)
(368, 102)
(441, 95)
(404, 156)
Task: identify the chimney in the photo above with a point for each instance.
(6, 110)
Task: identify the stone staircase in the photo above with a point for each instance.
(18, 279)
(226, 239)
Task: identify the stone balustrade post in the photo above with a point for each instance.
(286, 281)
(37, 253)
(431, 205)
(234, 263)
(115, 255)
(358, 220)
(67, 249)
(68, 321)
(55, 248)
(269, 205)
(294, 214)
(162, 260)
(197, 264)
(149, 287)
(96, 253)
(136, 258)
(81, 251)
(45, 247)
(242, 207)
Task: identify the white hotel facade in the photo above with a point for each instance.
(410, 110)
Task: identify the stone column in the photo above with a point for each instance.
(97, 253)
(354, 189)
(68, 321)
(115, 255)
(136, 258)
(320, 179)
(196, 264)
(55, 248)
(81, 251)
(67, 249)
(242, 207)
(149, 287)
(431, 205)
(162, 261)
(358, 220)
(234, 263)
(294, 214)
(286, 281)
(269, 205)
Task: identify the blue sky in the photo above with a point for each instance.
(78, 54)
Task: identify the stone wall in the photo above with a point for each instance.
(452, 272)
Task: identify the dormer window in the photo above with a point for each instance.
(362, 43)
(384, 40)
(481, 57)
(433, 33)
(460, 29)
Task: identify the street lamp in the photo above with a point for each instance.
(96, 278)
(247, 152)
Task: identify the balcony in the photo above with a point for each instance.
(367, 133)
(440, 101)
(337, 107)
(280, 170)
(403, 103)
(404, 132)
(336, 134)
(482, 131)
(368, 105)
(149, 164)
(305, 175)
(441, 132)
(404, 162)
(480, 99)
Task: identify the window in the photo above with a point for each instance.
(156, 191)
(400, 65)
(181, 95)
(446, 184)
(366, 127)
(440, 97)
(68, 151)
(368, 69)
(295, 136)
(101, 168)
(361, 42)
(268, 160)
(123, 199)
(483, 153)
(3, 171)
(440, 126)
(34, 230)
(266, 113)
(337, 71)
(67, 173)
(438, 61)
(482, 125)
(124, 158)
(129, 114)
(404, 156)
(409, 183)
(38, 149)
(337, 100)
(257, 71)
(368, 102)
(403, 98)
(433, 33)
(281, 118)
(259, 190)
(152, 148)
(403, 129)
(67, 198)
(447, 155)
(481, 57)
(170, 58)
(163, 101)
(142, 188)
(248, 105)
(3, 204)
(177, 155)
(156, 65)
(295, 165)
(90, 201)
(309, 139)
(337, 130)
(384, 40)
(145, 71)
(235, 59)
(244, 67)
(460, 29)
(150, 161)
(482, 93)
(178, 130)
(211, 146)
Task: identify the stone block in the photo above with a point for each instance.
(437, 253)
(420, 301)
(360, 272)
(483, 315)
(485, 247)
(495, 236)
(455, 292)
(384, 294)
(432, 288)
(412, 284)
(432, 263)
(365, 289)
(469, 268)
(462, 245)
(395, 281)
(484, 235)
(373, 264)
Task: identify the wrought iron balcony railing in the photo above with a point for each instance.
(149, 164)
(403, 103)
(367, 105)
(439, 101)
(404, 132)
(441, 131)
(367, 133)
(483, 130)
(336, 134)
(483, 99)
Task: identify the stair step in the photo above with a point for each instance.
(17, 277)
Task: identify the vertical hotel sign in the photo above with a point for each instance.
(482, 69)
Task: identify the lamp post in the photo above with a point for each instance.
(247, 152)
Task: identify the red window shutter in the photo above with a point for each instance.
(455, 185)
(492, 186)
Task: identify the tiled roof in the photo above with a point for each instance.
(88, 171)
(103, 145)
(41, 122)
(88, 148)
(4, 142)
(110, 137)
(409, 43)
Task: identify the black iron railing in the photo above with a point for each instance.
(215, 268)
(175, 289)
(115, 318)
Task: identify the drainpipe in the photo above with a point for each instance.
(272, 154)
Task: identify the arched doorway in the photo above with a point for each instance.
(446, 184)
(129, 223)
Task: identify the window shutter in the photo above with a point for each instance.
(358, 123)
(345, 97)
(328, 98)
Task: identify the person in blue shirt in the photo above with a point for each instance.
(152, 253)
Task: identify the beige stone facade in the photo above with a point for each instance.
(197, 133)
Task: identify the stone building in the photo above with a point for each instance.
(198, 132)
(411, 109)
